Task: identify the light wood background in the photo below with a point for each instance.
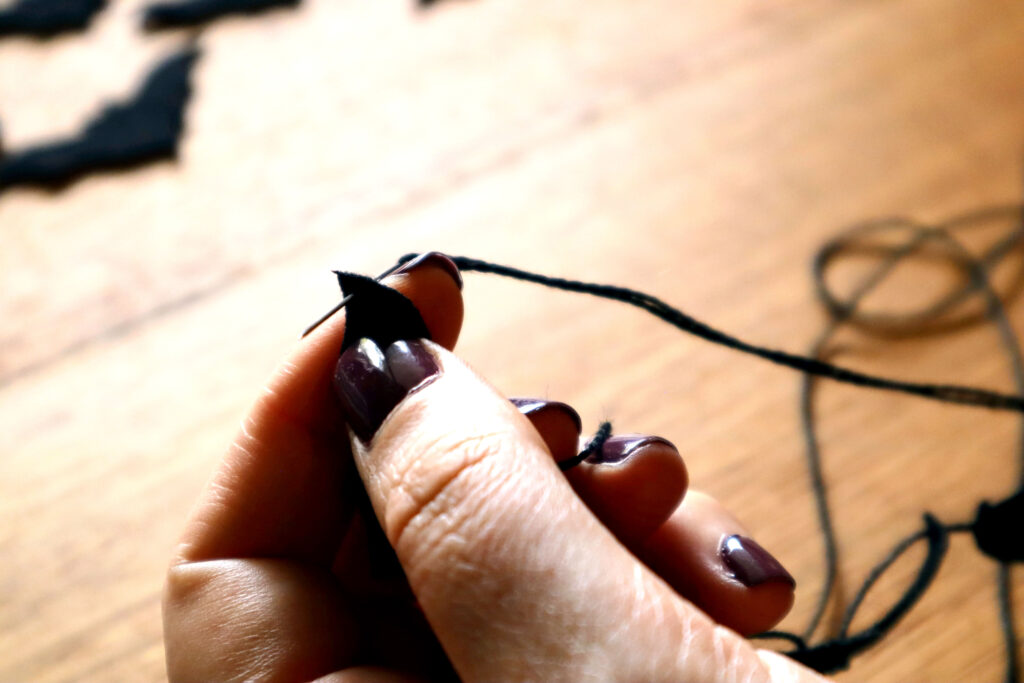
(698, 151)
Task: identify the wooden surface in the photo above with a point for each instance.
(698, 151)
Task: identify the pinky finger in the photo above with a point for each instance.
(704, 553)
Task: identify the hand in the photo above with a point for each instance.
(512, 570)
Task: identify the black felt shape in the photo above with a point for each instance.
(163, 15)
(142, 130)
(999, 528)
(378, 312)
(48, 18)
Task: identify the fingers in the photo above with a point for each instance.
(279, 490)
(635, 486)
(557, 423)
(265, 620)
(251, 594)
(706, 555)
(517, 578)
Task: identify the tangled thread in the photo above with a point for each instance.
(995, 526)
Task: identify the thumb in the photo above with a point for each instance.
(518, 580)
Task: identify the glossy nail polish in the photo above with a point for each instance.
(618, 448)
(370, 382)
(437, 259)
(750, 564)
(532, 406)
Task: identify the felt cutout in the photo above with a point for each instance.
(378, 312)
(142, 130)
(997, 528)
(48, 18)
(163, 15)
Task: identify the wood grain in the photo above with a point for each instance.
(699, 151)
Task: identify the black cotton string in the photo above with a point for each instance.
(835, 654)
(994, 526)
(933, 319)
(593, 446)
(947, 393)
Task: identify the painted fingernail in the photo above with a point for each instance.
(370, 382)
(618, 448)
(532, 406)
(750, 564)
(437, 259)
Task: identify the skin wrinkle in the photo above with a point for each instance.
(733, 654)
(247, 429)
(453, 541)
(234, 607)
(204, 585)
(411, 495)
(645, 601)
(219, 493)
(454, 544)
(450, 542)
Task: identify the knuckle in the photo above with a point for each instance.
(438, 487)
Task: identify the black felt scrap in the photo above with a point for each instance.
(999, 528)
(142, 130)
(163, 15)
(48, 18)
(378, 312)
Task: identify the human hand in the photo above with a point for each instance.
(516, 570)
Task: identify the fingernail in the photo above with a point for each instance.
(750, 564)
(532, 406)
(618, 448)
(434, 258)
(370, 382)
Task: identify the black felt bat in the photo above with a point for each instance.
(141, 130)
(47, 18)
(163, 15)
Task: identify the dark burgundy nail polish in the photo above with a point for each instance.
(750, 564)
(531, 406)
(411, 364)
(618, 448)
(434, 258)
(370, 382)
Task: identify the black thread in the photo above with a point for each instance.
(928, 321)
(934, 319)
(940, 392)
(996, 525)
(595, 444)
(835, 654)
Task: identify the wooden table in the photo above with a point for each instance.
(699, 151)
